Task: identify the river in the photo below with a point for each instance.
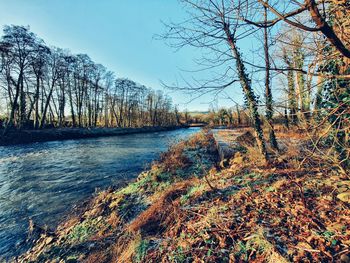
(43, 181)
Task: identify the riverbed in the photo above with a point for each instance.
(43, 181)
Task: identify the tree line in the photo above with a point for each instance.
(302, 50)
(44, 86)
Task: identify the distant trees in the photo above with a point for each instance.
(134, 105)
(229, 117)
(45, 86)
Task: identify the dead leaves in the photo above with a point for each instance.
(345, 197)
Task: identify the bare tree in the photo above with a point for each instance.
(217, 26)
(18, 46)
(320, 20)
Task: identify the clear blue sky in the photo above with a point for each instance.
(116, 33)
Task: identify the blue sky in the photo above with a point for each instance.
(116, 33)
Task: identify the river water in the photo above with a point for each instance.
(43, 181)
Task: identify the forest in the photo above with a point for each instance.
(44, 86)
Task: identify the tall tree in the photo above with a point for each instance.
(18, 45)
(268, 93)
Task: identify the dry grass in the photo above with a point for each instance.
(99, 256)
(114, 220)
(292, 133)
(247, 139)
(152, 220)
(124, 249)
(174, 159)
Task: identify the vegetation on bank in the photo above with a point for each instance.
(189, 208)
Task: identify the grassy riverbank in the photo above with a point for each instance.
(57, 134)
(187, 208)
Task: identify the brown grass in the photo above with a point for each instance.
(114, 220)
(99, 257)
(174, 159)
(292, 133)
(125, 247)
(246, 139)
(155, 217)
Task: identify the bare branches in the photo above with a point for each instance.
(326, 29)
(270, 23)
(321, 24)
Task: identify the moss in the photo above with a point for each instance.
(130, 206)
(72, 258)
(85, 230)
(141, 250)
(191, 192)
(270, 189)
(164, 177)
(137, 186)
(178, 256)
(240, 251)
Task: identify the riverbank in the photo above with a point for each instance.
(57, 134)
(188, 207)
(43, 181)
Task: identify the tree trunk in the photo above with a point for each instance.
(249, 93)
(292, 105)
(268, 93)
(37, 94)
(47, 103)
(22, 101)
